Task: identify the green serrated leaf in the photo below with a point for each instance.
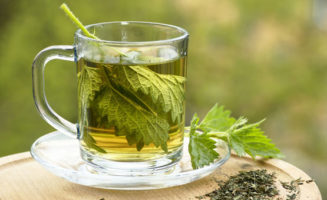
(167, 91)
(194, 124)
(129, 117)
(217, 119)
(90, 80)
(90, 142)
(201, 147)
(252, 141)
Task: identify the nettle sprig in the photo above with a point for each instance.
(243, 138)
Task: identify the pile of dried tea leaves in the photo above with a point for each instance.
(253, 185)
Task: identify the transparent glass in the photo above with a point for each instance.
(131, 90)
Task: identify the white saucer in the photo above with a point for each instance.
(60, 154)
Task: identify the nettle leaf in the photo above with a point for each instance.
(130, 118)
(217, 119)
(90, 81)
(167, 91)
(90, 142)
(201, 147)
(250, 140)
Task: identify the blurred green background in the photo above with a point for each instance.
(261, 59)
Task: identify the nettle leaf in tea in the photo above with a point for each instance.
(134, 102)
(167, 91)
(92, 82)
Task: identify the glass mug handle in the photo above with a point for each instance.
(62, 52)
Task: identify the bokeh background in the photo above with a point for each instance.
(261, 59)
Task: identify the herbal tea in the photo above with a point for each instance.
(131, 112)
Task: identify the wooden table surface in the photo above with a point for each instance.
(23, 178)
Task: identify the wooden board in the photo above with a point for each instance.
(23, 178)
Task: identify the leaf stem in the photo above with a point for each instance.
(143, 102)
(76, 21)
(218, 134)
(79, 24)
(138, 107)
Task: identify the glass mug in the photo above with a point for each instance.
(131, 88)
